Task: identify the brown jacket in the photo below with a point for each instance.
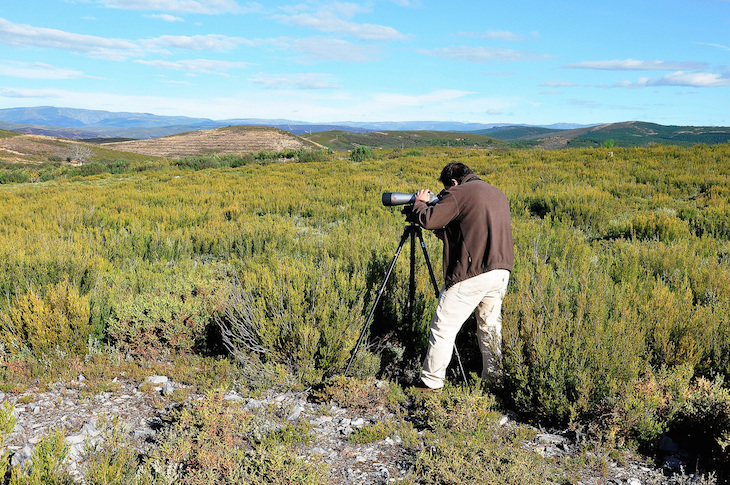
(475, 217)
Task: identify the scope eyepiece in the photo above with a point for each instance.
(401, 198)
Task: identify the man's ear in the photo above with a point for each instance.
(454, 183)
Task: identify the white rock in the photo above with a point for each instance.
(157, 379)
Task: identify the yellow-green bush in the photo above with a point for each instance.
(57, 320)
(303, 314)
(622, 266)
(169, 311)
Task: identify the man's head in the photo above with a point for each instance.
(454, 172)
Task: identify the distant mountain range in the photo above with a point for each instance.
(75, 123)
(78, 124)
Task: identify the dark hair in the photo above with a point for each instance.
(455, 170)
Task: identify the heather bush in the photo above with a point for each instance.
(59, 319)
(46, 465)
(219, 442)
(166, 309)
(303, 314)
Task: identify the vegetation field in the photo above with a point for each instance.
(344, 140)
(616, 322)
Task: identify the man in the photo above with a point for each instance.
(473, 219)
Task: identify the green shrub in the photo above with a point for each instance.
(58, 319)
(219, 443)
(172, 311)
(361, 153)
(702, 421)
(303, 314)
(14, 177)
(46, 465)
(358, 393)
(659, 226)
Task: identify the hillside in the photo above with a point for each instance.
(18, 148)
(233, 139)
(624, 134)
(343, 140)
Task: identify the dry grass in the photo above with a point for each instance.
(237, 139)
(32, 148)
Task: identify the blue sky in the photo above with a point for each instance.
(538, 62)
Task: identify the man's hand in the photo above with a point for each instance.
(424, 195)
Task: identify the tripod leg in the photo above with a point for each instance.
(412, 279)
(378, 296)
(436, 289)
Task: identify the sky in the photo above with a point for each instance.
(480, 61)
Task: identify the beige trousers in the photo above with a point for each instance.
(483, 293)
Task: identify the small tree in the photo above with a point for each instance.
(79, 153)
(361, 153)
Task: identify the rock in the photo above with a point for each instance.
(22, 456)
(232, 396)
(157, 380)
(551, 439)
(295, 413)
(254, 403)
(167, 388)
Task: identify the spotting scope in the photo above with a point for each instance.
(402, 198)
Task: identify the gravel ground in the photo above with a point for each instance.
(141, 409)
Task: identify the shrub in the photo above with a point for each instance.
(312, 156)
(361, 153)
(171, 312)
(303, 314)
(702, 421)
(659, 226)
(216, 442)
(46, 465)
(14, 177)
(358, 393)
(58, 319)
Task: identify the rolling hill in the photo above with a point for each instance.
(343, 140)
(232, 139)
(23, 148)
(625, 134)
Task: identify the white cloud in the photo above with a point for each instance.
(330, 20)
(484, 54)
(38, 70)
(679, 78)
(211, 42)
(42, 94)
(184, 6)
(558, 84)
(326, 49)
(503, 35)
(165, 17)
(202, 66)
(719, 46)
(692, 79)
(295, 81)
(19, 35)
(636, 65)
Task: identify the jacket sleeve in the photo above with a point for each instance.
(436, 216)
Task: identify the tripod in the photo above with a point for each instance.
(412, 231)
